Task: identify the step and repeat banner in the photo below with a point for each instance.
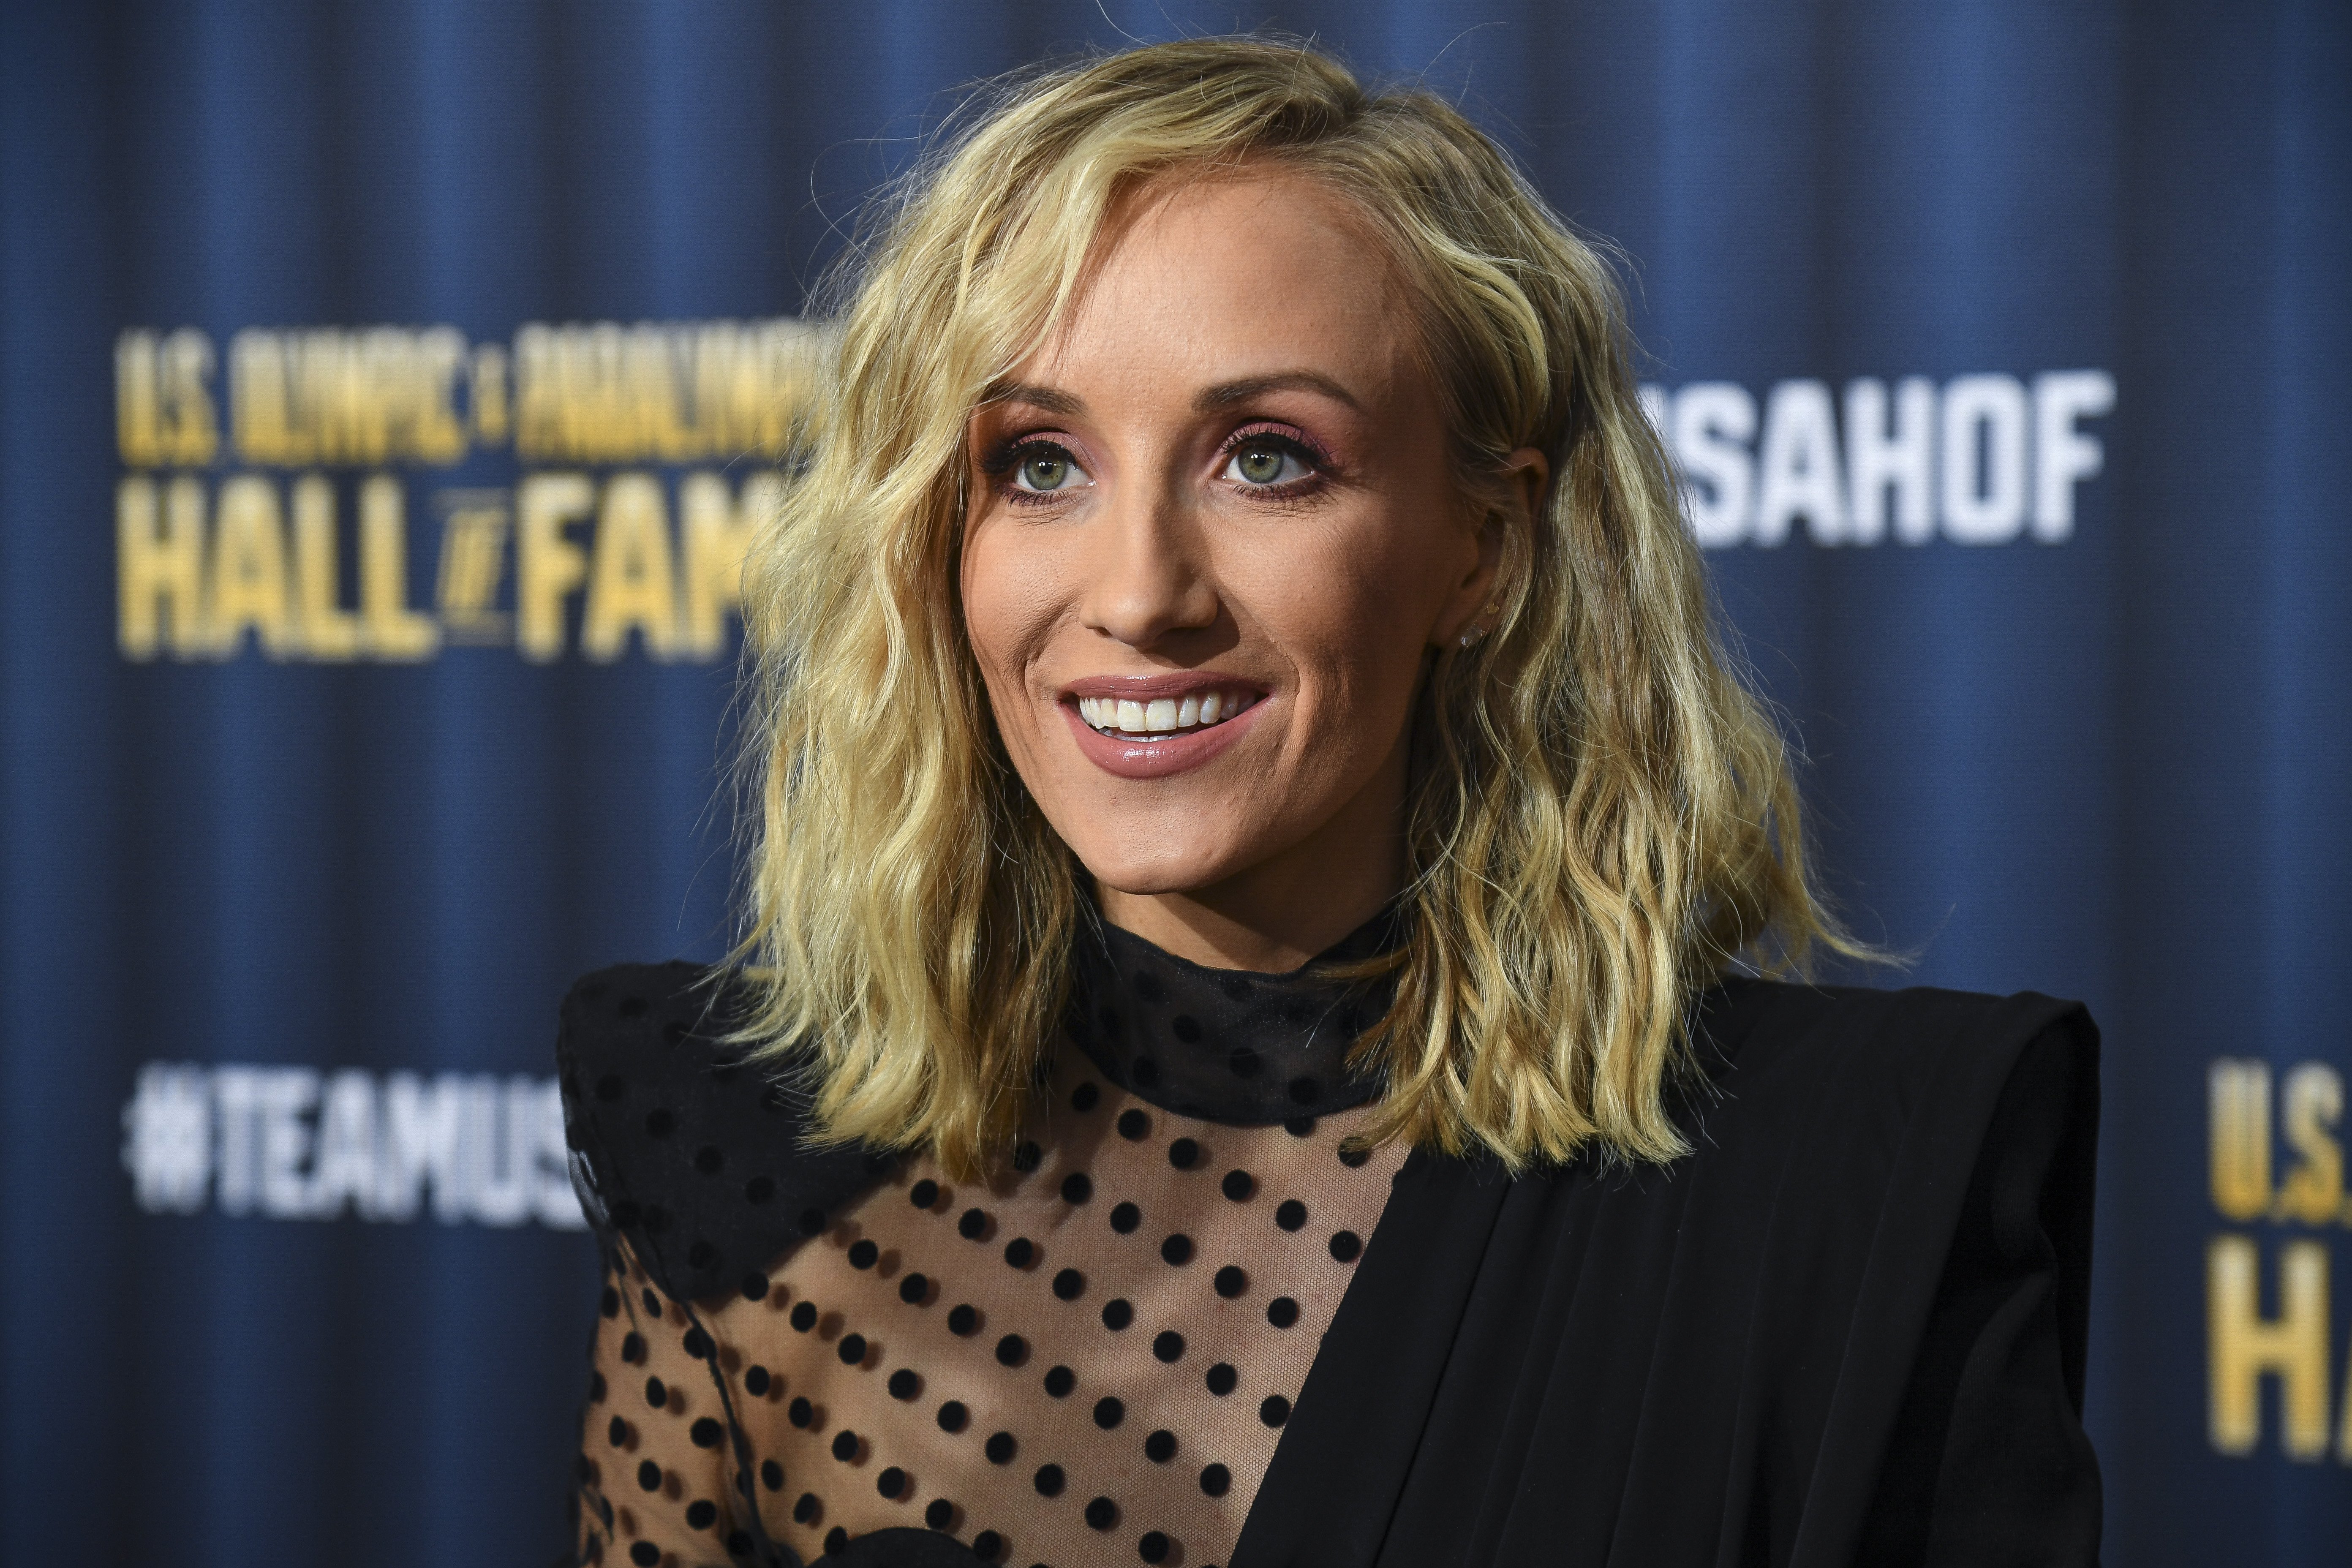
(382, 395)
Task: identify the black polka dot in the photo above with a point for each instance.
(610, 1088)
(799, 1412)
(1012, 1350)
(1050, 1480)
(771, 1475)
(1231, 1281)
(1169, 1346)
(706, 1433)
(845, 1445)
(657, 1394)
(698, 1344)
(905, 1383)
(806, 1508)
(940, 1514)
(708, 1160)
(1019, 1252)
(1290, 1213)
(595, 1388)
(1222, 1379)
(701, 1514)
(1000, 1447)
(702, 1255)
(1125, 1218)
(660, 1123)
(1109, 1411)
(1353, 1155)
(618, 1432)
(1077, 1188)
(835, 1539)
(644, 1553)
(986, 1545)
(1186, 1028)
(1305, 1091)
(923, 1193)
(852, 1349)
(1160, 1447)
(633, 1349)
(1239, 1185)
(804, 1316)
(890, 1482)
(862, 1254)
(812, 1222)
(1152, 1547)
(1243, 1062)
(913, 1289)
(1281, 1312)
(1059, 1381)
(952, 1415)
(1134, 1126)
(653, 1302)
(1177, 1250)
(1069, 1284)
(1102, 1513)
(1148, 987)
(1346, 1245)
(1184, 1154)
(755, 1287)
(964, 1319)
(1273, 1410)
(1117, 1314)
(1301, 1127)
(972, 1224)
(1027, 1157)
(610, 1303)
(649, 1475)
(1216, 1481)
(1084, 1097)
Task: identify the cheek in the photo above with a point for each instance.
(1354, 606)
(1012, 591)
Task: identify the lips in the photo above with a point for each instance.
(1147, 727)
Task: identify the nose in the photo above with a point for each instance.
(1146, 578)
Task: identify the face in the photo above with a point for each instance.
(1214, 529)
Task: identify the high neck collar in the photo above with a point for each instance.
(1227, 1045)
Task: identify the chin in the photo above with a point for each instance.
(1139, 876)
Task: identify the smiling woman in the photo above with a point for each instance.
(1243, 766)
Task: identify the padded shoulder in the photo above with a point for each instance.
(695, 1157)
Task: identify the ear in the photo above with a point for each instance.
(1469, 612)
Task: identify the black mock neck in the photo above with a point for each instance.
(1227, 1045)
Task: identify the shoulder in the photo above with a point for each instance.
(1930, 1062)
(694, 1155)
(1878, 1125)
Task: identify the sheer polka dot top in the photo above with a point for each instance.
(1087, 1358)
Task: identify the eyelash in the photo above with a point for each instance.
(1002, 458)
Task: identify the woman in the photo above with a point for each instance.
(1252, 1053)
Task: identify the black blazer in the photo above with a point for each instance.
(1848, 1328)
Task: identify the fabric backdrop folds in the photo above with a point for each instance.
(2109, 766)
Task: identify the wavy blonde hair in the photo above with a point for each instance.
(1602, 816)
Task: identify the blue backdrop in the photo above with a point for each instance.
(359, 686)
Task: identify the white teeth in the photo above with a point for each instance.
(1163, 716)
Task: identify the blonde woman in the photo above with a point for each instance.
(1250, 1047)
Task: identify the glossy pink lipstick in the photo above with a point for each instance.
(1150, 726)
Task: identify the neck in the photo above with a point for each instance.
(1278, 914)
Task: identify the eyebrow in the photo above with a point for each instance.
(1211, 400)
(1225, 394)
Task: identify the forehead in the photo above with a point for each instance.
(1216, 280)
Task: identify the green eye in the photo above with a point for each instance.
(1045, 471)
(1259, 465)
